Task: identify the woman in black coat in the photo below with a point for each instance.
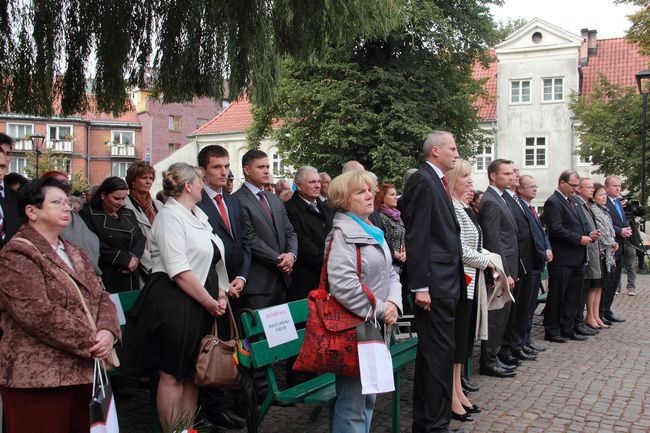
(121, 243)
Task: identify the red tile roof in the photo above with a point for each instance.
(237, 117)
(618, 60)
(487, 105)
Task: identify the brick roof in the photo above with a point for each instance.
(237, 117)
(487, 106)
(618, 60)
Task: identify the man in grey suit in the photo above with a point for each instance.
(274, 244)
(500, 236)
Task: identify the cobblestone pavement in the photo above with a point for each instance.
(598, 386)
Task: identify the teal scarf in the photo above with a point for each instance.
(375, 232)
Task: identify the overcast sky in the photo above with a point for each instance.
(607, 18)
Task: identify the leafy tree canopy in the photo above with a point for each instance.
(611, 130)
(506, 27)
(639, 32)
(190, 47)
(375, 101)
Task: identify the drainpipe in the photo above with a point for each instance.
(88, 151)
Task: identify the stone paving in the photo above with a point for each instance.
(598, 386)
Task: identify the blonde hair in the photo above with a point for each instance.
(462, 168)
(177, 176)
(342, 187)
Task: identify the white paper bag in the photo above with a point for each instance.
(375, 362)
(103, 414)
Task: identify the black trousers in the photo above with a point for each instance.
(434, 366)
(564, 293)
(536, 277)
(580, 316)
(497, 322)
(609, 291)
(518, 318)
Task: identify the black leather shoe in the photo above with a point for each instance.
(226, 421)
(613, 318)
(496, 372)
(467, 385)
(555, 339)
(575, 337)
(473, 409)
(466, 417)
(508, 359)
(506, 366)
(582, 329)
(606, 321)
(529, 351)
(535, 347)
(521, 354)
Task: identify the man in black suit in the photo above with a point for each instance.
(435, 275)
(274, 244)
(569, 237)
(623, 232)
(513, 348)
(9, 219)
(499, 236)
(228, 223)
(526, 192)
(311, 219)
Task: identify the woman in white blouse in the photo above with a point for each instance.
(460, 185)
(185, 291)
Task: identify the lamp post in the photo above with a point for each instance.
(640, 76)
(37, 142)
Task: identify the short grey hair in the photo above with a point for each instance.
(433, 139)
(410, 172)
(352, 165)
(300, 174)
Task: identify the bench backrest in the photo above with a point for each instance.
(261, 354)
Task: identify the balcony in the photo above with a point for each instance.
(23, 145)
(123, 150)
(60, 146)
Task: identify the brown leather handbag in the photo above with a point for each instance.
(216, 366)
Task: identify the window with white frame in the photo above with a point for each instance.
(520, 91)
(18, 165)
(175, 123)
(483, 158)
(59, 138)
(535, 151)
(553, 89)
(119, 169)
(277, 165)
(20, 132)
(124, 138)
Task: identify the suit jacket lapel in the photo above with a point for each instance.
(212, 211)
(440, 188)
(565, 202)
(503, 205)
(257, 206)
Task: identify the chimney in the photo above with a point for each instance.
(584, 56)
(592, 43)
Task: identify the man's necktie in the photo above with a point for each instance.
(222, 211)
(3, 235)
(265, 206)
(572, 205)
(532, 209)
(446, 185)
(619, 208)
(314, 207)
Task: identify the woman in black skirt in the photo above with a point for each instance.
(460, 184)
(183, 294)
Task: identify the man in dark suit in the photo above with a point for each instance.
(526, 192)
(499, 236)
(312, 221)
(513, 348)
(9, 219)
(569, 237)
(227, 221)
(435, 275)
(623, 232)
(274, 244)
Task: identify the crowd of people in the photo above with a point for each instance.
(467, 264)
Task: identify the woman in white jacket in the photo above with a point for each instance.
(460, 185)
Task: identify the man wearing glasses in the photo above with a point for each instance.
(569, 237)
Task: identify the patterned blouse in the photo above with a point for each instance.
(395, 232)
(605, 225)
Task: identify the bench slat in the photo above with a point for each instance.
(299, 313)
(262, 355)
(299, 392)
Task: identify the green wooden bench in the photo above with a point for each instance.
(319, 391)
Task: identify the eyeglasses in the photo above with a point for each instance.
(59, 203)
(575, 185)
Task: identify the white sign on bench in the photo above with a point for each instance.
(278, 325)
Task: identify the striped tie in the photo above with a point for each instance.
(3, 234)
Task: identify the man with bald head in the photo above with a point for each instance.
(352, 165)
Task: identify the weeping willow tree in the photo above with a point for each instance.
(180, 48)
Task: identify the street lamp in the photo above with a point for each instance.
(37, 142)
(640, 76)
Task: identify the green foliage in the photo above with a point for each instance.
(182, 49)
(375, 100)
(47, 161)
(79, 182)
(611, 130)
(506, 27)
(639, 32)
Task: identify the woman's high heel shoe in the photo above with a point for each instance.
(472, 409)
(466, 417)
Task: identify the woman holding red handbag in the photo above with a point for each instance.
(351, 194)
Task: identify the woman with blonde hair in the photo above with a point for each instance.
(471, 236)
(185, 290)
(351, 194)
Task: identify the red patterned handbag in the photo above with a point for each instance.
(330, 343)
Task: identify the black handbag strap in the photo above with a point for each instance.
(323, 274)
